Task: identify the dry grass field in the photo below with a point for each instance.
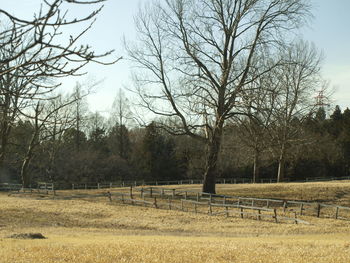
(99, 231)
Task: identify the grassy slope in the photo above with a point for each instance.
(91, 231)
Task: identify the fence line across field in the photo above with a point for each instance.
(299, 207)
(229, 209)
(193, 181)
(303, 206)
(104, 185)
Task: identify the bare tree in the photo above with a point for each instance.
(121, 112)
(121, 116)
(45, 126)
(256, 117)
(62, 119)
(80, 110)
(296, 80)
(195, 58)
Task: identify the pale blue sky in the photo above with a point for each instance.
(330, 31)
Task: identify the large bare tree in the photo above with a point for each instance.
(195, 58)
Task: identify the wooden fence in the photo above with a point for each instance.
(105, 185)
(10, 187)
(172, 200)
(296, 207)
(42, 188)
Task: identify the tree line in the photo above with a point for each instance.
(75, 145)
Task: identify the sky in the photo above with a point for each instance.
(329, 31)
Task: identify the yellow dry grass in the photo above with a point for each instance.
(100, 231)
(335, 192)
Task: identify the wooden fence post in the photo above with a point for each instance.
(226, 211)
(162, 192)
(197, 197)
(318, 210)
(123, 198)
(182, 205)
(173, 193)
(195, 208)
(224, 201)
(169, 200)
(275, 214)
(241, 212)
(301, 209)
(337, 212)
(131, 197)
(259, 213)
(268, 203)
(295, 216)
(109, 195)
(151, 191)
(186, 195)
(141, 192)
(155, 202)
(284, 206)
(210, 208)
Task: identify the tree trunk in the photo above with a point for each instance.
(24, 169)
(256, 168)
(29, 155)
(211, 162)
(281, 168)
(24, 175)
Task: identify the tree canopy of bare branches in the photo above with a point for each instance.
(195, 59)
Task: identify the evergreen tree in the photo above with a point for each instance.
(335, 124)
(159, 156)
(320, 115)
(119, 141)
(337, 115)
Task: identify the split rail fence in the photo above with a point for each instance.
(173, 199)
(297, 208)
